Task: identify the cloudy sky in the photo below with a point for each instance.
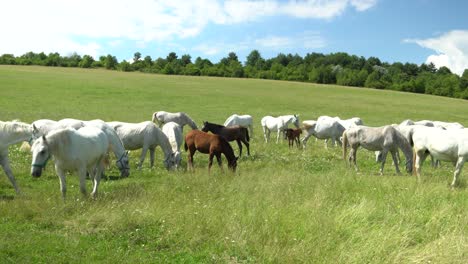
(393, 30)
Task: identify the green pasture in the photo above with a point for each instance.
(281, 206)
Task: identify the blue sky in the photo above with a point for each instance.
(414, 31)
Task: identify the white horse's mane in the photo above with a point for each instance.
(59, 140)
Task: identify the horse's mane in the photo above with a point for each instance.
(229, 150)
(216, 125)
(14, 126)
(164, 142)
(189, 120)
(59, 140)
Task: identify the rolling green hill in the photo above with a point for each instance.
(282, 206)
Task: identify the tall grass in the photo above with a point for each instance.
(281, 206)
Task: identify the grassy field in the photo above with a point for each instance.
(281, 206)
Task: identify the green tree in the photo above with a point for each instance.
(110, 62)
(86, 62)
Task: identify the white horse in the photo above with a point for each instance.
(181, 118)
(147, 136)
(115, 144)
(174, 134)
(240, 120)
(386, 139)
(81, 150)
(324, 128)
(11, 133)
(277, 124)
(448, 125)
(445, 145)
(409, 122)
(44, 126)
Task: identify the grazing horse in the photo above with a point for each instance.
(115, 145)
(12, 132)
(237, 133)
(181, 118)
(81, 150)
(145, 136)
(324, 128)
(44, 126)
(240, 120)
(445, 145)
(277, 124)
(211, 144)
(386, 139)
(448, 125)
(174, 134)
(293, 136)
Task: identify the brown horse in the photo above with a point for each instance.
(237, 133)
(209, 144)
(293, 136)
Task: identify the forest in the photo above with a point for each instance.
(335, 68)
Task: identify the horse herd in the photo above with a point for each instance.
(83, 146)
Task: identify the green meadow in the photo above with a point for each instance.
(281, 206)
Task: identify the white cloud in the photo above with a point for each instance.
(64, 26)
(451, 50)
(308, 40)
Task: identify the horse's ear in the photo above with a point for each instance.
(34, 127)
(44, 139)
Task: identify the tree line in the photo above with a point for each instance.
(334, 68)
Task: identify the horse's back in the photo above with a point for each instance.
(202, 141)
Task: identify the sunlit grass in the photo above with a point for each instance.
(282, 205)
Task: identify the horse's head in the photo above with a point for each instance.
(40, 155)
(123, 165)
(295, 120)
(170, 161)
(204, 126)
(232, 164)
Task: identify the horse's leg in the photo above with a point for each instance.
(278, 135)
(247, 144)
(97, 178)
(82, 176)
(152, 150)
(210, 162)
(220, 163)
(420, 157)
(142, 156)
(190, 160)
(6, 167)
(304, 140)
(265, 131)
(384, 159)
(458, 168)
(63, 186)
(240, 147)
(395, 161)
(352, 157)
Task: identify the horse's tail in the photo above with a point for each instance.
(185, 145)
(406, 146)
(345, 145)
